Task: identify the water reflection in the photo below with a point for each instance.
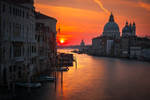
(106, 79)
(99, 78)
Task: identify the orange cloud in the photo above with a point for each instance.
(101, 6)
(73, 19)
(144, 5)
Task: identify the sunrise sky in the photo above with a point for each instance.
(85, 19)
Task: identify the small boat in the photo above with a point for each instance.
(46, 78)
(62, 69)
(29, 85)
(75, 51)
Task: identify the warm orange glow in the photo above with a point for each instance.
(145, 5)
(80, 19)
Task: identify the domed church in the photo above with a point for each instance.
(111, 28)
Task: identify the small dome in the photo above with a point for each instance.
(126, 29)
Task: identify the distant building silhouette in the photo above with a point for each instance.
(82, 44)
(17, 41)
(128, 45)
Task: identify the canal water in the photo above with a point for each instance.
(98, 78)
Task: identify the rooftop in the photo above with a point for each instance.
(42, 16)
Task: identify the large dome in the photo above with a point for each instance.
(111, 27)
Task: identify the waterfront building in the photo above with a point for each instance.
(145, 54)
(82, 46)
(17, 41)
(109, 47)
(101, 45)
(111, 44)
(97, 45)
(135, 52)
(42, 46)
(124, 47)
(46, 41)
(117, 48)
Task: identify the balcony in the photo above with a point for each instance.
(19, 59)
(18, 39)
(34, 55)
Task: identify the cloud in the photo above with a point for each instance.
(101, 6)
(144, 5)
(145, 1)
(141, 3)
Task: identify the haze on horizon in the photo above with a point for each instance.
(85, 19)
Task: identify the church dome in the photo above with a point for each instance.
(111, 26)
(111, 29)
(126, 28)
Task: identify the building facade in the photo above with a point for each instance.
(126, 46)
(111, 44)
(17, 41)
(27, 42)
(104, 45)
(46, 41)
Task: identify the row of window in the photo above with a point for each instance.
(40, 38)
(15, 11)
(17, 28)
(19, 50)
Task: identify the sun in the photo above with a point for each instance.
(62, 41)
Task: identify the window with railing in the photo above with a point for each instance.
(17, 50)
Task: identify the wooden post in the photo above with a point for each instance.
(62, 82)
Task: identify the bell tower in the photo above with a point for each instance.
(134, 29)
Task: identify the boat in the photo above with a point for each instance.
(29, 85)
(62, 69)
(46, 78)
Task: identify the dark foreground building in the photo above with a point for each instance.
(22, 33)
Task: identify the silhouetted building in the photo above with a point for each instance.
(82, 44)
(111, 44)
(46, 41)
(17, 40)
(26, 37)
(97, 46)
